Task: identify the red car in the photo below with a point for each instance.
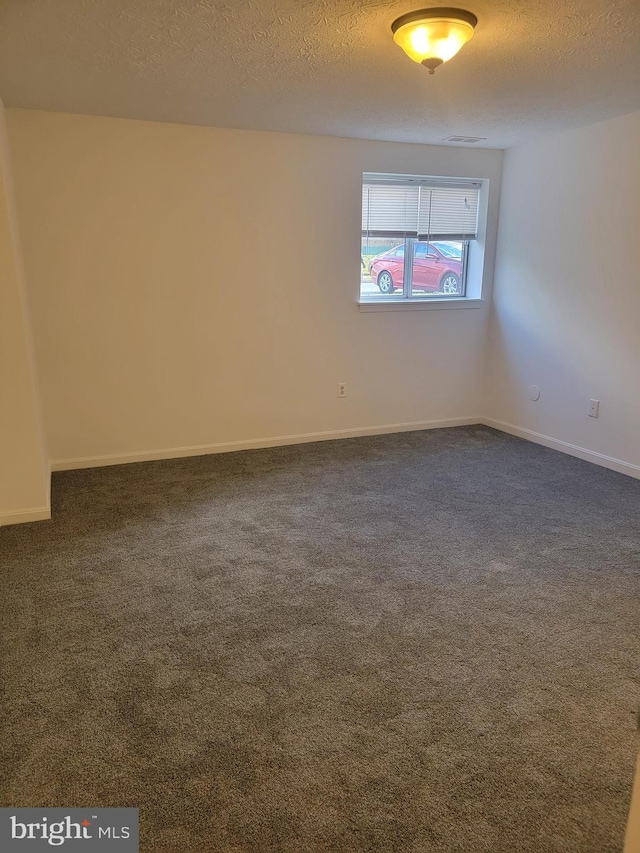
(437, 268)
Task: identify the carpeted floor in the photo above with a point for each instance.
(415, 642)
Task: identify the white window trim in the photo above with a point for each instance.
(475, 283)
(424, 303)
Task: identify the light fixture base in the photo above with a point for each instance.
(439, 12)
(431, 64)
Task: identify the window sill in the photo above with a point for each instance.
(428, 304)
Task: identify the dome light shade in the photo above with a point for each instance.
(432, 36)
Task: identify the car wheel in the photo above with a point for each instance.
(385, 282)
(450, 283)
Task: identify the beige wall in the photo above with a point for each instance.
(566, 312)
(24, 472)
(197, 287)
(632, 837)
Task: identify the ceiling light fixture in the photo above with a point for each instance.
(432, 36)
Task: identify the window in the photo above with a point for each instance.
(416, 236)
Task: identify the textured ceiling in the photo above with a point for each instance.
(323, 66)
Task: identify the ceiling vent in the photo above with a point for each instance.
(470, 139)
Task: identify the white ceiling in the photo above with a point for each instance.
(323, 66)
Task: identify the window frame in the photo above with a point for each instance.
(472, 262)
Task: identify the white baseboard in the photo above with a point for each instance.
(330, 435)
(253, 444)
(24, 515)
(565, 447)
(44, 513)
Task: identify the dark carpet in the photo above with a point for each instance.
(415, 642)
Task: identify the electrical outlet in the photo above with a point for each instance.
(342, 389)
(594, 408)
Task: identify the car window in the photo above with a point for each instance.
(421, 250)
(399, 252)
(450, 251)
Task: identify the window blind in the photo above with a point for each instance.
(425, 208)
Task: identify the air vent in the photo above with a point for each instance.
(470, 139)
